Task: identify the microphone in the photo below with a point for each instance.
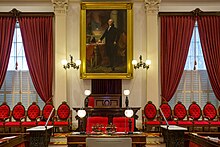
(49, 118)
(164, 117)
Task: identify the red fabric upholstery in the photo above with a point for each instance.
(169, 122)
(150, 111)
(149, 116)
(45, 114)
(209, 111)
(194, 111)
(18, 113)
(180, 111)
(166, 109)
(33, 113)
(122, 124)
(4, 111)
(91, 121)
(63, 117)
(91, 102)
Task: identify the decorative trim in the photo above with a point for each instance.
(152, 6)
(60, 6)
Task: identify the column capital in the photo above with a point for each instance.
(152, 6)
(60, 6)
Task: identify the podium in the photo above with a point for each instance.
(40, 136)
(173, 135)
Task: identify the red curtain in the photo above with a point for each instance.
(37, 35)
(7, 27)
(176, 33)
(209, 31)
(106, 86)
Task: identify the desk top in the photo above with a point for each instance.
(174, 128)
(40, 128)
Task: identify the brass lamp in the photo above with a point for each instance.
(139, 64)
(72, 64)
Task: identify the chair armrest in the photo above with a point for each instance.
(206, 117)
(189, 116)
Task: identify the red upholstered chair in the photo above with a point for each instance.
(63, 117)
(18, 113)
(96, 120)
(180, 114)
(122, 124)
(91, 102)
(167, 111)
(33, 112)
(4, 114)
(195, 113)
(210, 113)
(45, 115)
(149, 117)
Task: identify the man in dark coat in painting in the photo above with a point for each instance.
(111, 37)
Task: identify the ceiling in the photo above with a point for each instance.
(112, 0)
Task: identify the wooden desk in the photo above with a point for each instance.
(109, 112)
(173, 135)
(40, 136)
(203, 139)
(9, 140)
(73, 140)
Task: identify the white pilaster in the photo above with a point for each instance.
(153, 89)
(60, 93)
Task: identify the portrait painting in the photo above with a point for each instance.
(106, 40)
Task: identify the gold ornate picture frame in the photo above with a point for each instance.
(99, 61)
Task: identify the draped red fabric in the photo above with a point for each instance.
(209, 31)
(7, 27)
(106, 86)
(37, 35)
(176, 33)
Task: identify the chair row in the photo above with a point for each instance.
(34, 116)
(191, 118)
(121, 123)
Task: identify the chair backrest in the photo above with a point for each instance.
(195, 111)
(122, 124)
(4, 111)
(165, 107)
(180, 111)
(63, 111)
(150, 111)
(96, 120)
(33, 111)
(209, 110)
(18, 111)
(91, 102)
(47, 110)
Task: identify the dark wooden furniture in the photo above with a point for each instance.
(74, 140)
(40, 136)
(107, 100)
(13, 140)
(173, 135)
(202, 139)
(108, 112)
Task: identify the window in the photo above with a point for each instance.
(194, 84)
(18, 86)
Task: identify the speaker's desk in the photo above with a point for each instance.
(74, 139)
(173, 135)
(40, 136)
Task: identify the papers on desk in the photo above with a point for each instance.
(173, 127)
(75, 133)
(213, 138)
